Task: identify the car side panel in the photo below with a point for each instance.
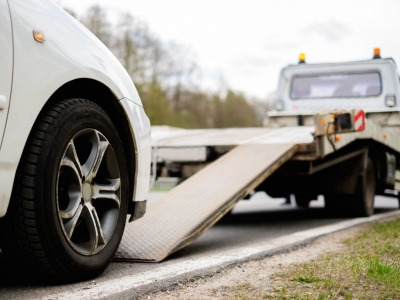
(69, 52)
(6, 64)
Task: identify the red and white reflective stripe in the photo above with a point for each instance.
(359, 120)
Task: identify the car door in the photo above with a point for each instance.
(6, 64)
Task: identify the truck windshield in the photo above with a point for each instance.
(336, 86)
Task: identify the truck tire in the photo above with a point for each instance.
(362, 201)
(69, 203)
(359, 204)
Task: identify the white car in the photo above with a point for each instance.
(75, 144)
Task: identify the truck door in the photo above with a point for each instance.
(6, 64)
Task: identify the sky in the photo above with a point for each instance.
(243, 44)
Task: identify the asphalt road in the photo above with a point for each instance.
(258, 219)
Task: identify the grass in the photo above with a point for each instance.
(369, 268)
(160, 190)
(307, 279)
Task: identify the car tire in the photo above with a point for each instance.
(66, 218)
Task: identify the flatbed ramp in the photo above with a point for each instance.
(187, 211)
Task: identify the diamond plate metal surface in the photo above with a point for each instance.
(187, 211)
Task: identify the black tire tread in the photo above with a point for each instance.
(23, 240)
(358, 204)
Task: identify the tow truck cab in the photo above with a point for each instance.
(304, 89)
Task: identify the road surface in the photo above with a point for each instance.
(252, 221)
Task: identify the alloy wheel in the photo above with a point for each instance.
(88, 192)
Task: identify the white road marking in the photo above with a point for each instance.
(125, 283)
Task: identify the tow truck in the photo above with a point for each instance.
(334, 131)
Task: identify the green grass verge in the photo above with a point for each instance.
(369, 268)
(160, 190)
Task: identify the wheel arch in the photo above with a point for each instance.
(103, 96)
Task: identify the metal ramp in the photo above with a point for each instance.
(187, 211)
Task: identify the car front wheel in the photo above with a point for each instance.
(69, 204)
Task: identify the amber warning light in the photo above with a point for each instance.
(377, 53)
(39, 36)
(302, 58)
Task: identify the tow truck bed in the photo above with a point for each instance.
(188, 210)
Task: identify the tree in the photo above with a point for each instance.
(156, 104)
(260, 108)
(237, 111)
(96, 21)
(163, 73)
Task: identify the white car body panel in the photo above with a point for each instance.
(70, 52)
(141, 129)
(6, 63)
(386, 67)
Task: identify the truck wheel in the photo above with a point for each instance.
(362, 201)
(68, 208)
(303, 200)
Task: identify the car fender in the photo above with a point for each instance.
(69, 52)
